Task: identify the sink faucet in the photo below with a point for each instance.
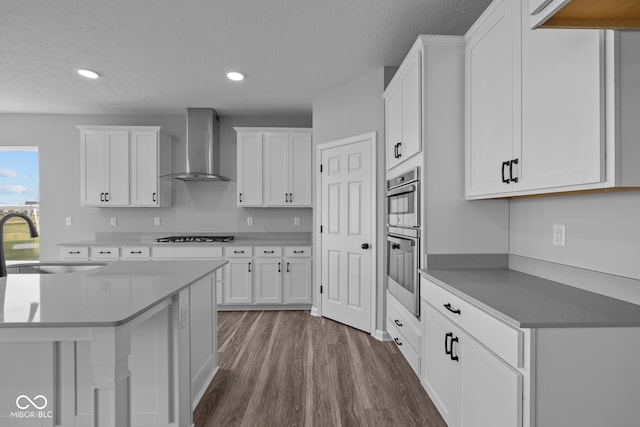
(32, 230)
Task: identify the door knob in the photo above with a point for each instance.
(365, 246)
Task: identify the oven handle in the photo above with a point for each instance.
(401, 239)
(401, 190)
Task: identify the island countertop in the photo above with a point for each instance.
(527, 301)
(106, 296)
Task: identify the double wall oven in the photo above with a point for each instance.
(403, 239)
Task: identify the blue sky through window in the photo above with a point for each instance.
(18, 177)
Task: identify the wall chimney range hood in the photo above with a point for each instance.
(202, 146)
(605, 14)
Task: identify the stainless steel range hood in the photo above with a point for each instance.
(203, 147)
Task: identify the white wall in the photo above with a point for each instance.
(351, 109)
(197, 207)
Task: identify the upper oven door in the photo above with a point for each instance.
(402, 206)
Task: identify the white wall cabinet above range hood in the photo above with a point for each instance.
(202, 146)
(609, 14)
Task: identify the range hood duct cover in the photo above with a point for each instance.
(203, 147)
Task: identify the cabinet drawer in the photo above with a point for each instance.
(499, 337)
(297, 251)
(75, 252)
(238, 252)
(268, 251)
(189, 252)
(401, 322)
(407, 351)
(135, 252)
(105, 252)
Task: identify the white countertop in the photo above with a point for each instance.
(133, 239)
(105, 296)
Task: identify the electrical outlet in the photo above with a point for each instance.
(67, 220)
(184, 317)
(249, 220)
(114, 221)
(559, 235)
(296, 220)
(156, 221)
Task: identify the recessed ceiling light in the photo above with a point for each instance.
(235, 76)
(88, 74)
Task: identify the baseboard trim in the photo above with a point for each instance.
(246, 307)
(314, 311)
(381, 335)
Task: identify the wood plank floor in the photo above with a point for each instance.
(287, 368)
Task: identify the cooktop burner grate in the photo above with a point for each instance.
(195, 239)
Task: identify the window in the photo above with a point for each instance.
(19, 193)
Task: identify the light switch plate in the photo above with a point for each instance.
(296, 220)
(184, 317)
(114, 221)
(67, 220)
(559, 235)
(156, 221)
(249, 220)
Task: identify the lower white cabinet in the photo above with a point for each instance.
(238, 281)
(468, 383)
(297, 281)
(268, 285)
(404, 329)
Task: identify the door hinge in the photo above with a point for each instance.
(320, 288)
(321, 229)
(320, 168)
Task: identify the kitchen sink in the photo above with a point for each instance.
(52, 267)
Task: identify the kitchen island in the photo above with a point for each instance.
(128, 343)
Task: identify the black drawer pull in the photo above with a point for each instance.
(105, 252)
(249, 268)
(288, 269)
(505, 180)
(454, 358)
(106, 197)
(154, 198)
(279, 267)
(74, 252)
(397, 322)
(135, 252)
(298, 252)
(238, 252)
(397, 341)
(268, 252)
(102, 197)
(448, 307)
(513, 162)
(290, 197)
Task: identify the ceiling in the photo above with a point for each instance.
(161, 56)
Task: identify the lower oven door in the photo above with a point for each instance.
(402, 270)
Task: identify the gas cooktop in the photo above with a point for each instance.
(195, 239)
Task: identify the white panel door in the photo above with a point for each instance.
(492, 103)
(94, 168)
(276, 168)
(249, 168)
(268, 281)
(238, 286)
(563, 131)
(346, 186)
(144, 168)
(297, 281)
(299, 169)
(118, 167)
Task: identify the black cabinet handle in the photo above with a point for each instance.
(397, 341)
(154, 197)
(288, 269)
(513, 162)
(448, 307)
(290, 197)
(102, 197)
(298, 252)
(238, 252)
(286, 197)
(105, 252)
(268, 252)
(454, 358)
(447, 350)
(249, 268)
(279, 267)
(74, 252)
(505, 180)
(397, 322)
(399, 153)
(240, 197)
(106, 197)
(135, 252)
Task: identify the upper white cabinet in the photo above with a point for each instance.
(545, 110)
(274, 167)
(121, 166)
(403, 98)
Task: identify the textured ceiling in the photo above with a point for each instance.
(161, 56)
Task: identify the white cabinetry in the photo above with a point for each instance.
(121, 166)
(274, 167)
(238, 275)
(403, 99)
(297, 281)
(404, 329)
(545, 109)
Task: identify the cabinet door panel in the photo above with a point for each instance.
(276, 168)
(239, 282)
(144, 168)
(441, 374)
(300, 169)
(118, 154)
(411, 109)
(94, 167)
(268, 282)
(297, 281)
(491, 390)
(249, 168)
(562, 115)
(492, 103)
(393, 111)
